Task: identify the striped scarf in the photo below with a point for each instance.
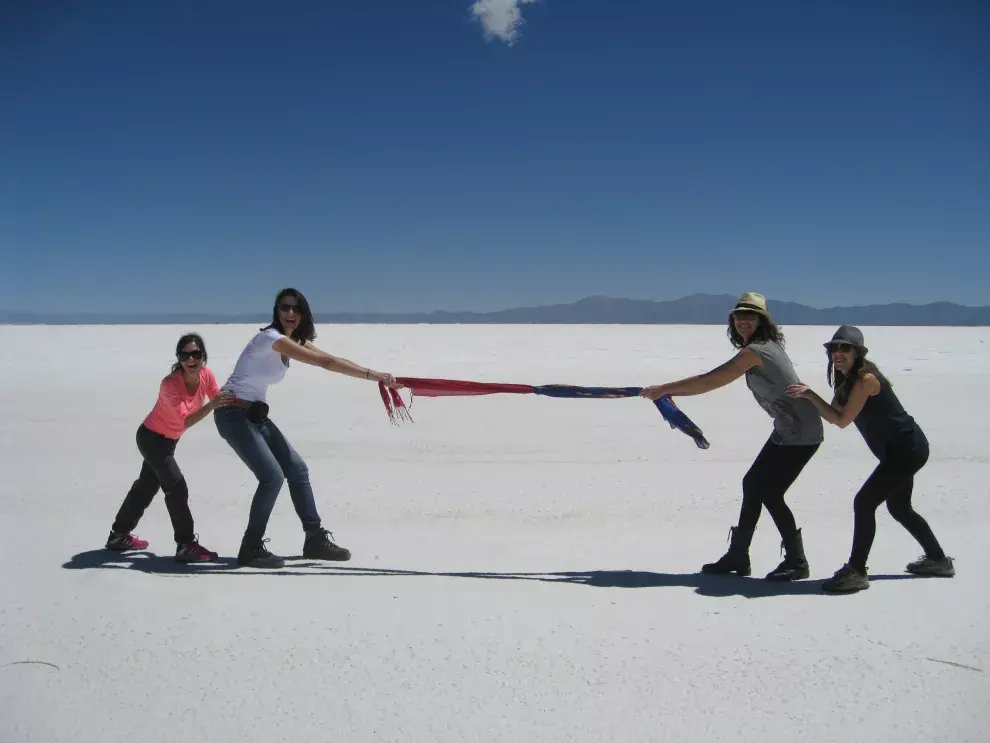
(397, 410)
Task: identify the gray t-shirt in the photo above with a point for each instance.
(795, 421)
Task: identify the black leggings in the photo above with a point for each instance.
(892, 482)
(772, 473)
(159, 470)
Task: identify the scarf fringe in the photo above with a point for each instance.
(394, 406)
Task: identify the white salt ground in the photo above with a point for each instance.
(525, 569)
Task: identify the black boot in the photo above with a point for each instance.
(319, 546)
(795, 564)
(736, 559)
(254, 554)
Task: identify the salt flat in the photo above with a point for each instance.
(525, 569)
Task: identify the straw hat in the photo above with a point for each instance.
(752, 302)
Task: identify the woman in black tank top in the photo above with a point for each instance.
(864, 397)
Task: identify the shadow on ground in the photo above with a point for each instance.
(705, 585)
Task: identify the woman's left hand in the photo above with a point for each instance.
(655, 392)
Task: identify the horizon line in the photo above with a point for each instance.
(246, 314)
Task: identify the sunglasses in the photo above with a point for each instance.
(197, 354)
(840, 347)
(290, 308)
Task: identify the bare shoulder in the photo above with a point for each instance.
(749, 357)
(280, 342)
(871, 383)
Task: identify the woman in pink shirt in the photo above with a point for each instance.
(185, 397)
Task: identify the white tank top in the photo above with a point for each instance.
(258, 367)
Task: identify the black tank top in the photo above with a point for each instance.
(884, 423)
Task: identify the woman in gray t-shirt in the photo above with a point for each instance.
(797, 434)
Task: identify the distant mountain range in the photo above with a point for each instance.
(695, 309)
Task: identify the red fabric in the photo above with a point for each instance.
(397, 409)
(448, 387)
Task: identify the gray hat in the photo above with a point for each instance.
(848, 334)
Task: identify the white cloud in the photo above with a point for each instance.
(500, 18)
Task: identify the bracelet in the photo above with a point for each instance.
(367, 373)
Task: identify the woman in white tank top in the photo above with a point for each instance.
(259, 443)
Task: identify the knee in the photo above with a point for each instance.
(898, 509)
(270, 475)
(176, 489)
(752, 484)
(865, 502)
(298, 471)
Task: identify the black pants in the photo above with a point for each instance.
(892, 482)
(775, 469)
(159, 470)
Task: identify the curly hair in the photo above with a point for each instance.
(767, 330)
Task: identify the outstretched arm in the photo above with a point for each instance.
(720, 376)
(310, 354)
(839, 415)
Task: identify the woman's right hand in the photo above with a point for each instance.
(387, 379)
(223, 399)
(797, 389)
(654, 392)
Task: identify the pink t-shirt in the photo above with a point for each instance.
(168, 417)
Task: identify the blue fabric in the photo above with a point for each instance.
(670, 412)
(567, 390)
(677, 419)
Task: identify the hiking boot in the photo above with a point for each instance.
(320, 546)
(736, 558)
(255, 554)
(846, 580)
(125, 543)
(195, 552)
(795, 564)
(944, 567)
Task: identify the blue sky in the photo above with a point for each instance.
(400, 155)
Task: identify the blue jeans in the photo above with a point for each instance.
(263, 448)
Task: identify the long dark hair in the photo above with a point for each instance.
(189, 338)
(307, 329)
(767, 330)
(843, 383)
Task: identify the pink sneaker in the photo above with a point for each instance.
(125, 542)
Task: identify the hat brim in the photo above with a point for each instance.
(755, 310)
